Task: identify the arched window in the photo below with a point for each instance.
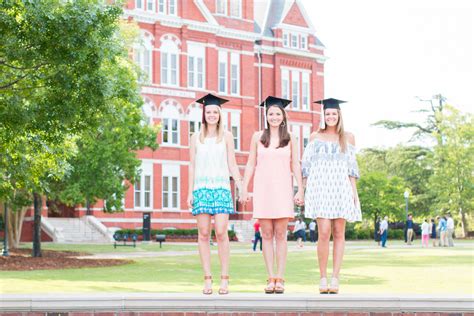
(195, 118)
(170, 117)
(170, 60)
(143, 56)
(149, 111)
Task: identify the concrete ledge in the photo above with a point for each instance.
(234, 302)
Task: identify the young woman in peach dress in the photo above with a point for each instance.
(274, 157)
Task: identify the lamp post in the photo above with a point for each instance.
(406, 195)
(5, 236)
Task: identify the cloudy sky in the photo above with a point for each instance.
(384, 53)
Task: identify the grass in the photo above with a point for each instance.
(366, 269)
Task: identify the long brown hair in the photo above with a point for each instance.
(340, 131)
(204, 129)
(282, 131)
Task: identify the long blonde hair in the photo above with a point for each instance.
(340, 131)
(204, 129)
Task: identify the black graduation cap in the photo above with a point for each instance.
(210, 99)
(271, 100)
(330, 103)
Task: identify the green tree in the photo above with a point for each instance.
(453, 178)
(381, 195)
(64, 71)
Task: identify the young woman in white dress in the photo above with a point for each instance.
(330, 168)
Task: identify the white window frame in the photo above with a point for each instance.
(295, 90)
(286, 42)
(196, 54)
(285, 84)
(294, 40)
(172, 4)
(222, 69)
(153, 5)
(161, 6)
(146, 171)
(235, 123)
(139, 4)
(170, 171)
(143, 57)
(169, 50)
(225, 119)
(169, 114)
(304, 42)
(235, 5)
(305, 91)
(234, 74)
(221, 7)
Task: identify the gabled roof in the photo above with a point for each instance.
(269, 14)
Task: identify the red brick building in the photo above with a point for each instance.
(241, 50)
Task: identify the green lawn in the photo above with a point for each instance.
(366, 269)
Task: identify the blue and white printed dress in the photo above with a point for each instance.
(328, 187)
(211, 191)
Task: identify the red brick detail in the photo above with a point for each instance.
(148, 314)
(295, 17)
(265, 314)
(172, 314)
(242, 314)
(436, 314)
(80, 314)
(361, 314)
(195, 314)
(310, 314)
(290, 314)
(380, 314)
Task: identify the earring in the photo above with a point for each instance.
(283, 124)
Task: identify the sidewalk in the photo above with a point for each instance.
(238, 303)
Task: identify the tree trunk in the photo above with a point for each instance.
(15, 226)
(37, 225)
(464, 225)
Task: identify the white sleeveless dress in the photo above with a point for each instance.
(211, 191)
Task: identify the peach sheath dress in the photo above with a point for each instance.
(272, 186)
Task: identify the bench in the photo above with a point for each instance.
(122, 240)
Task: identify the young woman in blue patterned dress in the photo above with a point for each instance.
(330, 168)
(212, 160)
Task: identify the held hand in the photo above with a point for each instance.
(299, 198)
(190, 201)
(244, 196)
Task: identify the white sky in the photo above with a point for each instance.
(384, 53)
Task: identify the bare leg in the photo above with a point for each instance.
(266, 227)
(338, 235)
(281, 227)
(220, 222)
(204, 235)
(324, 231)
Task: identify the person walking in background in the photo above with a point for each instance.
(274, 158)
(450, 231)
(212, 160)
(377, 231)
(409, 226)
(443, 232)
(425, 233)
(330, 167)
(299, 231)
(312, 231)
(383, 231)
(258, 236)
(433, 235)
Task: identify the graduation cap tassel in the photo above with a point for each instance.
(322, 124)
(265, 114)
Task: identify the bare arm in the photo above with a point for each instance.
(351, 140)
(192, 156)
(231, 162)
(250, 167)
(296, 168)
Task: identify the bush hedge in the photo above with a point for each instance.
(185, 233)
